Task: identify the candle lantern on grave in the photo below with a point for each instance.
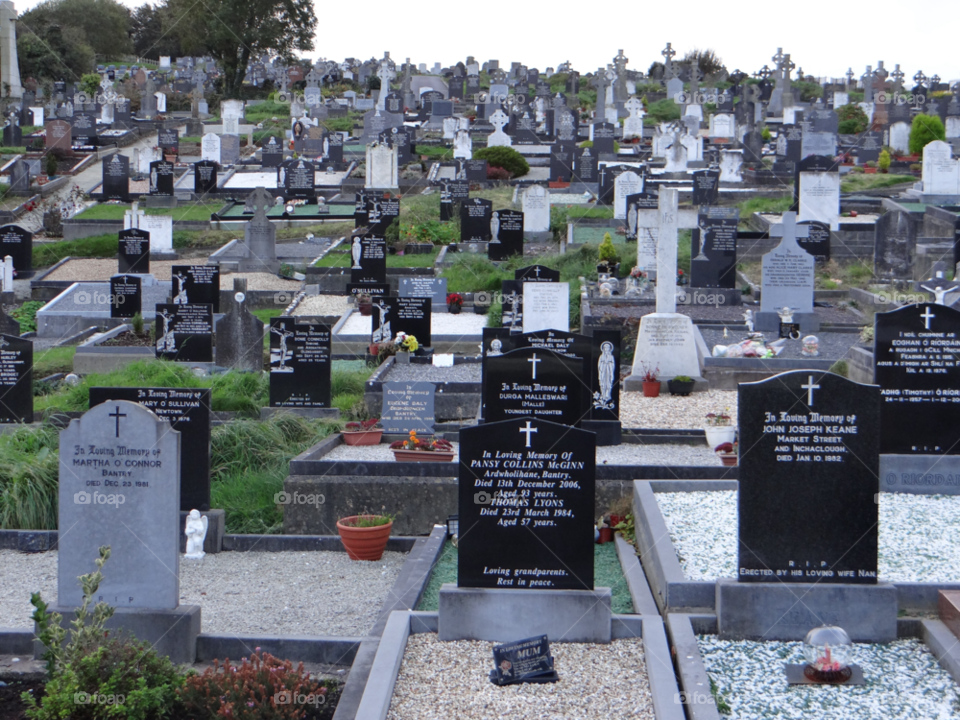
(828, 651)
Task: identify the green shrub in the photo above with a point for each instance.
(607, 252)
(807, 91)
(504, 157)
(853, 120)
(884, 161)
(765, 134)
(26, 315)
(664, 110)
(50, 165)
(924, 130)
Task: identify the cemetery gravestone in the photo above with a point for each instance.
(408, 406)
(603, 138)
(536, 273)
(229, 149)
(187, 410)
(205, 177)
(585, 167)
(507, 240)
(369, 255)
(297, 179)
(546, 306)
(300, 364)
(161, 178)
(410, 315)
(536, 209)
(116, 178)
(16, 380)
(509, 540)
(210, 148)
(812, 438)
(895, 244)
(197, 285)
(706, 187)
(819, 191)
(562, 156)
(787, 281)
(713, 262)
(17, 243)
(126, 296)
(536, 382)
(59, 135)
(425, 286)
(134, 251)
(185, 333)
(817, 240)
(475, 217)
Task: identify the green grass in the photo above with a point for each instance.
(861, 181)
(606, 573)
(424, 260)
(196, 212)
(764, 205)
(437, 152)
(29, 466)
(13, 150)
(46, 254)
(53, 360)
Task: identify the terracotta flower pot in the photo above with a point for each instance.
(366, 309)
(728, 459)
(362, 437)
(606, 535)
(363, 543)
(651, 389)
(422, 456)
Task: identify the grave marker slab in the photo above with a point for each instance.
(133, 251)
(408, 406)
(425, 286)
(126, 296)
(533, 381)
(16, 380)
(706, 187)
(116, 178)
(410, 315)
(506, 239)
(300, 364)
(185, 332)
(546, 306)
(369, 256)
(475, 217)
(161, 178)
(205, 177)
(713, 262)
(17, 242)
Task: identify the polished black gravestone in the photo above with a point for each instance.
(205, 177)
(196, 284)
(526, 506)
(511, 293)
(297, 180)
(161, 178)
(917, 356)
(126, 296)
(534, 381)
(809, 457)
(475, 216)
(506, 236)
(16, 380)
(472, 170)
(381, 211)
(168, 140)
(300, 364)
(817, 241)
(17, 242)
(713, 253)
(185, 332)
(409, 315)
(524, 661)
(585, 166)
(188, 411)
(368, 258)
(116, 178)
(536, 273)
(408, 406)
(706, 187)
(375, 290)
(133, 254)
(603, 138)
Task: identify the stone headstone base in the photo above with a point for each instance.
(506, 615)
(920, 474)
(788, 611)
(770, 322)
(216, 527)
(170, 632)
(161, 201)
(609, 432)
(667, 345)
(311, 413)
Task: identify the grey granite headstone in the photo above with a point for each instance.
(240, 333)
(408, 406)
(19, 176)
(788, 280)
(423, 286)
(229, 149)
(120, 486)
(8, 326)
(260, 236)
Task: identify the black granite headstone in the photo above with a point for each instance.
(713, 255)
(536, 273)
(475, 216)
(16, 380)
(382, 210)
(368, 260)
(916, 349)
(585, 166)
(526, 505)
(817, 243)
(603, 138)
(161, 178)
(133, 251)
(188, 411)
(196, 284)
(17, 242)
(533, 381)
(116, 178)
(168, 140)
(473, 171)
(205, 177)
(185, 332)
(809, 460)
(297, 180)
(706, 187)
(409, 315)
(300, 364)
(508, 239)
(511, 292)
(895, 245)
(524, 661)
(126, 296)
(562, 161)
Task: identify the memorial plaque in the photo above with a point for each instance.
(808, 479)
(713, 254)
(706, 187)
(523, 661)
(134, 251)
(196, 284)
(187, 410)
(116, 178)
(817, 241)
(506, 234)
(296, 178)
(916, 349)
(205, 177)
(474, 171)
(425, 286)
(562, 156)
(185, 332)
(410, 315)
(126, 296)
(536, 273)
(533, 381)
(381, 211)
(408, 406)
(84, 129)
(300, 364)
(605, 375)
(16, 380)
(161, 178)
(133, 507)
(526, 505)
(17, 242)
(369, 260)
(475, 217)
(59, 135)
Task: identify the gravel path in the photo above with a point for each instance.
(102, 269)
(903, 681)
(469, 324)
(465, 373)
(917, 535)
(673, 411)
(289, 593)
(443, 680)
(322, 305)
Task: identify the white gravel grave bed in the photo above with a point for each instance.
(464, 324)
(446, 680)
(322, 305)
(904, 682)
(917, 535)
(265, 593)
(610, 455)
(675, 411)
(102, 269)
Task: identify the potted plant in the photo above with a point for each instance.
(365, 536)
(406, 344)
(870, 167)
(415, 449)
(883, 163)
(365, 304)
(365, 432)
(727, 452)
(681, 385)
(605, 531)
(719, 429)
(454, 302)
(608, 261)
(651, 382)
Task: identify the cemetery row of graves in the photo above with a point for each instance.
(639, 386)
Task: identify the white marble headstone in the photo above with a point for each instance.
(546, 306)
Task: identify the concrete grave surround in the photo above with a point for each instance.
(546, 306)
(536, 209)
(140, 523)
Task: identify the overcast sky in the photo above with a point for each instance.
(824, 37)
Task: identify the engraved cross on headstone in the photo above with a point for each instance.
(534, 359)
(810, 387)
(117, 415)
(527, 431)
(927, 317)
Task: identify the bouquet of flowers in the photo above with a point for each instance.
(415, 443)
(720, 418)
(406, 343)
(454, 299)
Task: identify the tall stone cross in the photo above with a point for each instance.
(850, 75)
(261, 201)
(867, 80)
(499, 119)
(668, 53)
(668, 219)
(897, 76)
(600, 83)
(788, 229)
(920, 78)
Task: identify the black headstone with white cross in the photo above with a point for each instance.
(809, 457)
(205, 177)
(126, 296)
(534, 381)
